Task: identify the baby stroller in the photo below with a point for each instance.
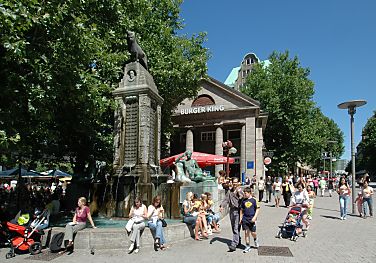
(293, 225)
(5, 240)
(24, 239)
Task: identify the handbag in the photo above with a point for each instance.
(164, 223)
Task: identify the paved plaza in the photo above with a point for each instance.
(329, 239)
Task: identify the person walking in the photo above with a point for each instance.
(322, 185)
(367, 193)
(261, 188)
(249, 211)
(269, 188)
(277, 191)
(286, 191)
(344, 193)
(232, 200)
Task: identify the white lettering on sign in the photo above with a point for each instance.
(195, 110)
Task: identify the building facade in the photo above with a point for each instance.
(220, 113)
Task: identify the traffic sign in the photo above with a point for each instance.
(267, 160)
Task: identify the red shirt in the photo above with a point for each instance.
(81, 215)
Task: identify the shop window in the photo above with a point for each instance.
(207, 136)
(183, 137)
(233, 134)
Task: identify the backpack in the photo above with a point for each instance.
(56, 242)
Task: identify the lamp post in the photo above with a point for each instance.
(351, 107)
(331, 161)
(228, 149)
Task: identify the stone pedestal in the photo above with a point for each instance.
(137, 132)
(170, 194)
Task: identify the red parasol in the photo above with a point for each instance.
(203, 159)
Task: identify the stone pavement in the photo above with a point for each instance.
(329, 239)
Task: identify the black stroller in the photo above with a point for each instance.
(293, 225)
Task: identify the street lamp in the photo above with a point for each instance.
(351, 107)
(331, 161)
(228, 149)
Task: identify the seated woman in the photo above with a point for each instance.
(190, 217)
(155, 214)
(199, 210)
(137, 215)
(301, 198)
(81, 214)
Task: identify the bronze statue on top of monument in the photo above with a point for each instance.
(189, 169)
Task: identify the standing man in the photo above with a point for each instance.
(269, 188)
(322, 185)
(261, 187)
(233, 200)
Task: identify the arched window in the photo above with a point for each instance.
(203, 100)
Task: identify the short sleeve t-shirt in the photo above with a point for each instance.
(81, 215)
(249, 207)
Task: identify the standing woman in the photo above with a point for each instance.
(79, 221)
(137, 214)
(155, 214)
(367, 192)
(344, 193)
(286, 191)
(277, 191)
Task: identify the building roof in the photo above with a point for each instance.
(231, 78)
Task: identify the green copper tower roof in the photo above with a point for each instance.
(231, 78)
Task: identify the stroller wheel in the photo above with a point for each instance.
(279, 235)
(9, 255)
(35, 248)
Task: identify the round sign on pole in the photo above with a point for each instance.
(267, 160)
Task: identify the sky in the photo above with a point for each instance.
(335, 39)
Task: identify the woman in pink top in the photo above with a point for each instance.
(79, 221)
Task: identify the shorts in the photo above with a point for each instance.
(248, 225)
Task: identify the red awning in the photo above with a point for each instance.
(203, 159)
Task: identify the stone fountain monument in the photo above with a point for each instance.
(137, 131)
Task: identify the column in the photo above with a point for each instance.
(250, 141)
(218, 148)
(243, 160)
(189, 140)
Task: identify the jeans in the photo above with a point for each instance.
(190, 220)
(234, 218)
(370, 206)
(343, 200)
(210, 218)
(158, 229)
(137, 229)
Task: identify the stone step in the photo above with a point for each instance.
(117, 238)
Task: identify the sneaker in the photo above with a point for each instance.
(341, 217)
(231, 249)
(256, 244)
(136, 250)
(247, 249)
(344, 218)
(309, 217)
(131, 247)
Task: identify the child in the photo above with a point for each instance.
(359, 203)
(311, 195)
(249, 211)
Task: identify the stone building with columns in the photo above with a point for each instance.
(220, 113)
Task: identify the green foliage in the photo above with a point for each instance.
(366, 157)
(57, 103)
(296, 130)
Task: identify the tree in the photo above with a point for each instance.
(60, 61)
(366, 150)
(296, 129)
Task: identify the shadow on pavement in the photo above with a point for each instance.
(221, 239)
(331, 217)
(319, 208)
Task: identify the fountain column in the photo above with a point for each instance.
(137, 134)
